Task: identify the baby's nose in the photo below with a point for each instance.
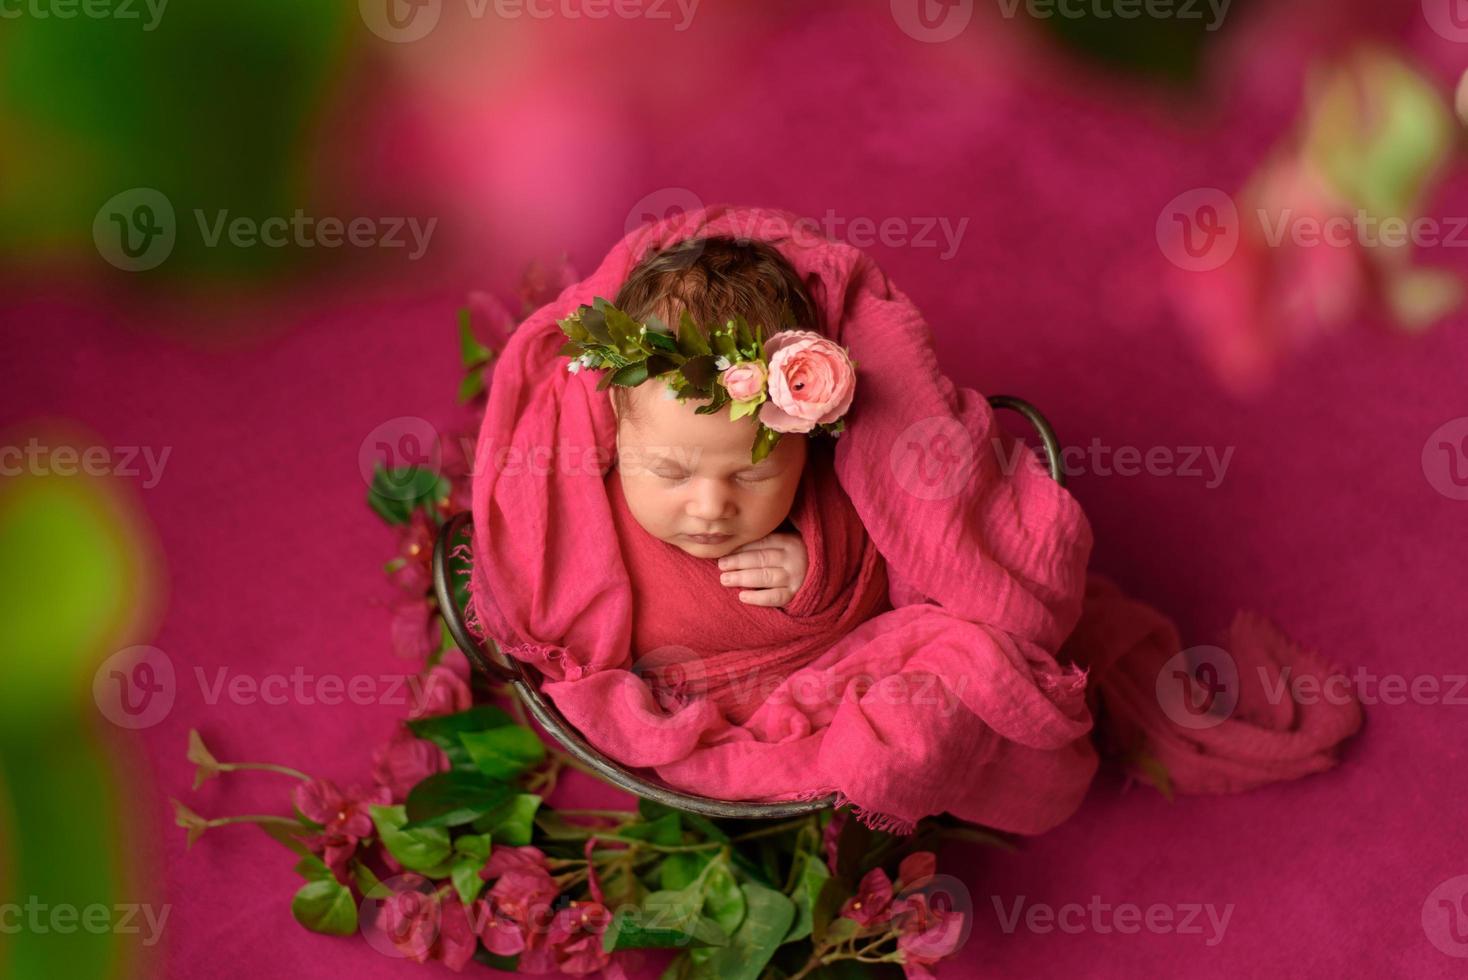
(710, 502)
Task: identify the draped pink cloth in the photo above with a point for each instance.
(947, 696)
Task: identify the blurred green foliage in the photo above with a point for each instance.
(213, 106)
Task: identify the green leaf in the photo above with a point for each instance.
(764, 443)
(722, 341)
(594, 319)
(444, 730)
(326, 906)
(421, 849)
(677, 871)
(723, 899)
(833, 895)
(395, 493)
(465, 876)
(766, 922)
(809, 883)
(661, 340)
(700, 372)
(513, 822)
(666, 830)
(447, 799)
(471, 352)
(665, 920)
(691, 340)
(738, 410)
(505, 752)
(312, 868)
(367, 882)
(473, 384)
(630, 376)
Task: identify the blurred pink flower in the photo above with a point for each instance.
(831, 835)
(925, 934)
(916, 868)
(404, 761)
(439, 692)
(429, 926)
(544, 281)
(415, 629)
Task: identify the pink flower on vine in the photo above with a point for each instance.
(872, 903)
(345, 819)
(426, 926)
(926, 934)
(440, 692)
(518, 908)
(404, 761)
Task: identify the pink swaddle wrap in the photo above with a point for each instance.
(951, 700)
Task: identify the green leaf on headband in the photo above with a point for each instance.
(739, 410)
(691, 340)
(718, 398)
(743, 336)
(723, 343)
(764, 443)
(664, 342)
(594, 320)
(700, 372)
(660, 364)
(630, 376)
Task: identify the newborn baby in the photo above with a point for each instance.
(688, 478)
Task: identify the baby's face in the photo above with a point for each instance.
(688, 479)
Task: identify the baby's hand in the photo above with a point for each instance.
(771, 570)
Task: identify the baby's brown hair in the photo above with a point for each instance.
(715, 279)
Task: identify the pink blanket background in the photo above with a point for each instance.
(1325, 521)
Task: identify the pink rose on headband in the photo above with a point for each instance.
(744, 380)
(811, 381)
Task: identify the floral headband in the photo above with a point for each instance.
(795, 381)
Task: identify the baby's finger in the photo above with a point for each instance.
(758, 558)
(766, 597)
(756, 578)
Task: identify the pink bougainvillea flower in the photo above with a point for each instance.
(345, 819)
(503, 859)
(490, 320)
(414, 570)
(544, 281)
(439, 692)
(426, 926)
(831, 835)
(404, 761)
(926, 934)
(575, 938)
(872, 903)
(812, 381)
(915, 869)
(518, 907)
(415, 631)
